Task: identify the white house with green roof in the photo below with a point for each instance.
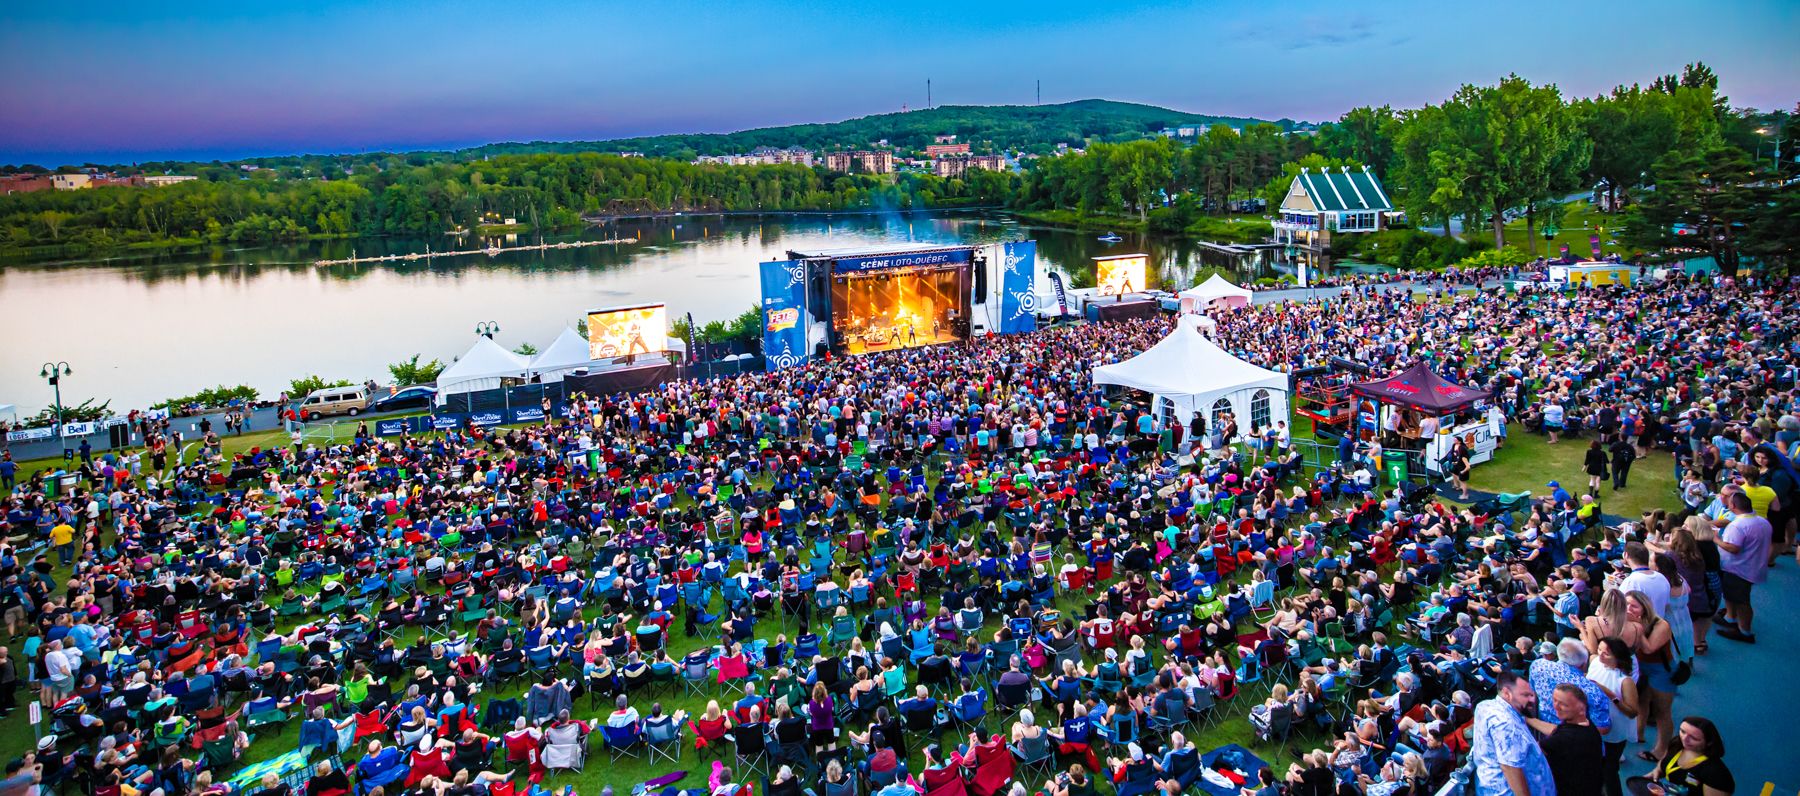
(1326, 202)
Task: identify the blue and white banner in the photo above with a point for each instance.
(78, 429)
(1062, 295)
(527, 414)
(446, 422)
(27, 435)
(394, 427)
(487, 418)
(1018, 287)
(784, 314)
(901, 260)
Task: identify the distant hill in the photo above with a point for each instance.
(1026, 127)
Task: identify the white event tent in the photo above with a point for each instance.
(1216, 288)
(1188, 373)
(485, 366)
(567, 353)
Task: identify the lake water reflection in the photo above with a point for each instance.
(138, 330)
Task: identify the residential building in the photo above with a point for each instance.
(863, 161)
(1320, 204)
(25, 183)
(940, 150)
(71, 182)
(950, 167)
(159, 180)
(944, 139)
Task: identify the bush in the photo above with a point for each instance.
(84, 412)
(306, 385)
(1508, 257)
(410, 371)
(209, 398)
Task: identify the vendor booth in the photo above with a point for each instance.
(1186, 373)
(485, 366)
(1214, 289)
(1419, 389)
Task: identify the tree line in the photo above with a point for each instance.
(544, 190)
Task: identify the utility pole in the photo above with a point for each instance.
(1040, 92)
(928, 93)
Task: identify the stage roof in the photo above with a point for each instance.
(872, 251)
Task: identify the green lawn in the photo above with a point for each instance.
(1580, 221)
(1529, 461)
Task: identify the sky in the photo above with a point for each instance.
(116, 82)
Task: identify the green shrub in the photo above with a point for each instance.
(209, 398)
(306, 385)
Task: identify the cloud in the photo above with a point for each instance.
(1315, 31)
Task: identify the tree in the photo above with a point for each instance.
(52, 221)
(1772, 235)
(1703, 200)
(526, 350)
(1364, 135)
(411, 371)
(1504, 147)
(307, 385)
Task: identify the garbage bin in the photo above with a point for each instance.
(1393, 466)
(52, 483)
(68, 482)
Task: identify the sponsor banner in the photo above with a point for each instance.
(394, 427)
(114, 421)
(447, 422)
(1062, 294)
(1018, 287)
(29, 434)
(487, 418)
(78, 429)
(527, 414)
(784, 313)
(901, 260)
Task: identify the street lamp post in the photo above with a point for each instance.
(54, 372)
(1777, 135)
(487, 329)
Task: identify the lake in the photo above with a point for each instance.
(140, 329)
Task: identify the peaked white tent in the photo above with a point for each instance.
(568, 352)
(485, 366)
(1188, 373)
(1215, 288)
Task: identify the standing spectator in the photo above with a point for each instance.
(1506, 755)
(1743, 555)
(1572, 746)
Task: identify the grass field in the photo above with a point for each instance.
(1580, 221)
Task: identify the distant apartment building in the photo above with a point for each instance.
(160, 180)
(762, 156)
(957, 166)
(864, 161)
(940, 150)
(944, 139)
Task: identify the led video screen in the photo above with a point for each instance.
(891, 309)
(623, 331)
(1120, 275)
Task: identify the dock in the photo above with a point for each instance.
(491, 251)
(1237, 248)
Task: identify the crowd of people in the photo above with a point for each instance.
(816, 576)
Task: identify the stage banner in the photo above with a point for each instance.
(1018, 287)
(1062, 295)
(784, 313)
(901, 260)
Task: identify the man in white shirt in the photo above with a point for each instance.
(1644, 579)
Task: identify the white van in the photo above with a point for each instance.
(334, 401)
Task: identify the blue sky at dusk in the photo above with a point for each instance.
(125, 81)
